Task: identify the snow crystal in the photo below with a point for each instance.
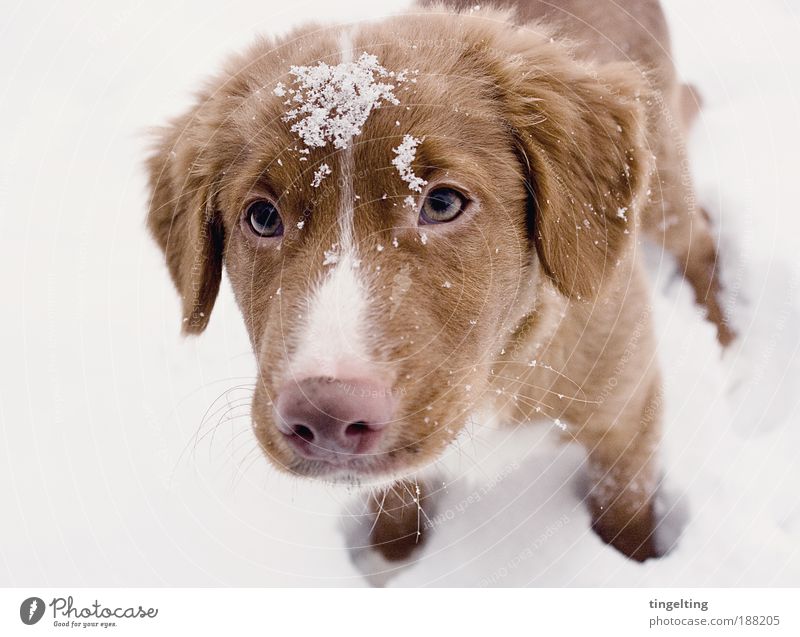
(406, 152)
(410, 202)
(331, 103)
(621, 213)
(323, 171)
(331, 256)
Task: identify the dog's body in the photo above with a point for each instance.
(469, 242)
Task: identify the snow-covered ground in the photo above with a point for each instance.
(112, 471)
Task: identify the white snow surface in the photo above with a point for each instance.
(126, 457)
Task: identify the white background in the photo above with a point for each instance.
(106, 477)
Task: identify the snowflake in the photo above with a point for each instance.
(332, 103)
(331, 256)
(323, 171)
(405, 153)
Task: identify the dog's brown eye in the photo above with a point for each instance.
(442, 205)
(263, 219)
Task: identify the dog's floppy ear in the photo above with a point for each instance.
(582, 141)
(184, 223)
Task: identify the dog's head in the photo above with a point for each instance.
(388, 202)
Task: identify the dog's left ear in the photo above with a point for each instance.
(583, 144)
(184, 222)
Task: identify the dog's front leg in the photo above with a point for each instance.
(394, 527)
(623, 479)
(400, 516)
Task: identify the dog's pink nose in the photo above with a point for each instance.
(331, 419)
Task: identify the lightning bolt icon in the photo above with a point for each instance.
(32, 609)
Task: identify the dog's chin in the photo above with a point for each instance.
(368, 472)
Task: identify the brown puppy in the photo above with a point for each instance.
(437, 215)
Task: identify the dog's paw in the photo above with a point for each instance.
(652, 532)
(635, 538)
(378, 555)
(386, 539)
(374, 567)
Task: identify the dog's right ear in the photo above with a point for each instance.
(184, 222)
(580, 132)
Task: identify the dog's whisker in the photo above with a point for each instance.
(225, 417)
(241, 466)
(194, 439)
(380, 512)
(241, 432)
(256, 457)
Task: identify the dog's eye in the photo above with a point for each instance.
(263, 219)
(442, 205)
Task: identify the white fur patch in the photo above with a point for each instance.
(332, 342)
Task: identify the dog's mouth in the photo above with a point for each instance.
(375, 469)
(351, 471)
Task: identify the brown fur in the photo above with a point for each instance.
(567, 134)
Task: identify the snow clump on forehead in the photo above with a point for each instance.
(332, 103)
